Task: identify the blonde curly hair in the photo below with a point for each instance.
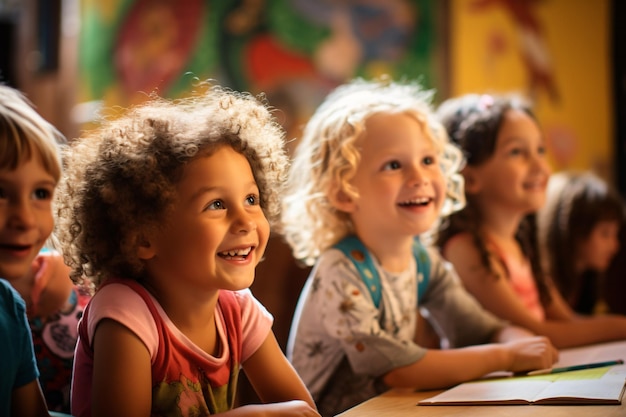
(326, 159)
(120, 179)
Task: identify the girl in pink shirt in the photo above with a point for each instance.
(492, 242)
(165, 213)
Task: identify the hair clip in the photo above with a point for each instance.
(485, 101)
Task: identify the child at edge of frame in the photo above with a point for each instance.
(30, 169)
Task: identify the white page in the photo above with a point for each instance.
(609, 386)
(584, 389)
(497, 390)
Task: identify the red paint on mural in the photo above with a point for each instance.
(155, 42)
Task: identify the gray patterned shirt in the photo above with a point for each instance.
(341, 344)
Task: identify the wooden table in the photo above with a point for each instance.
(399, 403)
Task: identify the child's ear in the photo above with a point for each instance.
(472, 180)
(340, 200)
(145, 250)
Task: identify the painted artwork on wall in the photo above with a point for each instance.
(294, 51)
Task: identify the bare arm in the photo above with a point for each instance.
(276, 383)
(122, 378)
(122, 375)
(444, 368)
(497, 296)
(28, 401)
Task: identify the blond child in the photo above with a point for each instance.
(492, 242)
(374, 165)
(30, 167)
(165, 213)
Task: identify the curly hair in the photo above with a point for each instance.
(327, 158)
(121, 178)
(473, 122)
(24, 132)
(576, 202)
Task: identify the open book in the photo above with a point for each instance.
(589, 386)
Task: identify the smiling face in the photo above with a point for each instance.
(515, 176)
(25, 215)
(216, 233)
(400, 185)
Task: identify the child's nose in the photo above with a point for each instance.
(540, 163)
(418, 176)
(21, 214)
(243, 222)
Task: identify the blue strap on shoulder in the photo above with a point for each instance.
(354, 249)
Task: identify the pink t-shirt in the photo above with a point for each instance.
(242, 326)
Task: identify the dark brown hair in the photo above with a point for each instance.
(121, 178)
(473, 122)
(576, 203)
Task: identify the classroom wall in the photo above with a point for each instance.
(295, 51)
(555, 51)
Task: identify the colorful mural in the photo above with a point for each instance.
(294, 51)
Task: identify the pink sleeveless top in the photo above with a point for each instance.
(523, 282)
(521, 279)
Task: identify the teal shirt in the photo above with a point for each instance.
(18, 366)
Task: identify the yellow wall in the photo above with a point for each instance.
(486, 56)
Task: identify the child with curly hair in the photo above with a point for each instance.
(492, 242)
(374, 169)
(579, 232)
(30, 168)
(165, 213)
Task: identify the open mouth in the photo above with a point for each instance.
(417, 202)
(14, 247)
(236, 254)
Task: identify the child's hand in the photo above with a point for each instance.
(531, 353)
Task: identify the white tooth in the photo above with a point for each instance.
(236, 252)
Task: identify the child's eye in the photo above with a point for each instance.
(429, 160)
(541, 150)
(516, 151)
(42, 194)
(216, 205)
(252, 200)
(392, 165)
